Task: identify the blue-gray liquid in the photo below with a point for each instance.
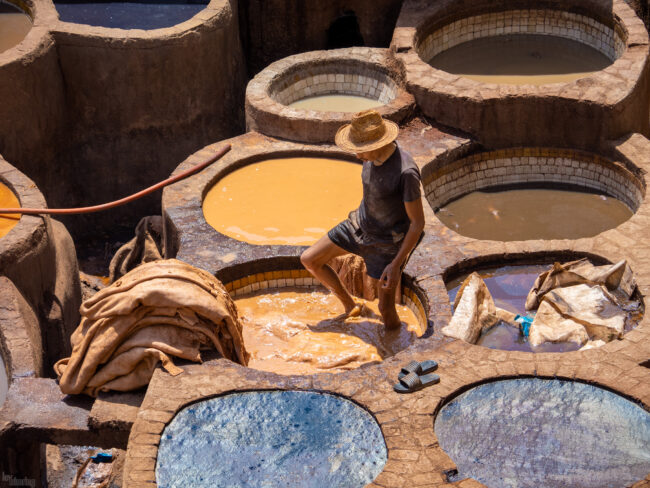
(271, 439)
(129, 15)
(532, 433)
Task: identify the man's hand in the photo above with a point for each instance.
(390, 277)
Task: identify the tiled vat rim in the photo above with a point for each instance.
(532, 165)
(611, 42)
(271, 280)
(340, 78)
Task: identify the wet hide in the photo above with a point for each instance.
(615, 277)
(550, 326)
(159, 310)
(474, 311)
(145, 247)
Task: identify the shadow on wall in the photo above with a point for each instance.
(344, 32)
(274, 29)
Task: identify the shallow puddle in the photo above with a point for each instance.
(526, 214)
(296, 331)
(336, 103)
(284, 201)
(521, 59)
(530, 433)
(129, 15)
(14, 26)
(8, 199)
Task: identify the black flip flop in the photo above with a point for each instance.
(412, 382)
(424, 367)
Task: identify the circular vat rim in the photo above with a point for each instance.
(214, 14)
(21, 237)
(187, 234)
(265, 114)
(593, 171)
(440, 299)
(38, 36)
(421, 74)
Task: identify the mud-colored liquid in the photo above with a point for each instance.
(284, 201)
(519, 215)
(8, 200)
(296, 331)
(336, 103)
(14, 26)
(521, 59)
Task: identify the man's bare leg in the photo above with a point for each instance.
(315, 260)
(387, 306)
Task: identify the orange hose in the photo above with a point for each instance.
(117, 203)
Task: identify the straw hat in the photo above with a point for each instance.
(367, 132)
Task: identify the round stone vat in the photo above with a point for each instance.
(509, 284)
(15, 23)
(309, 96)
(483, 68)
(292, 201)
(142, 14)
(533, 193)
(523, 46)
(294, 438)
(533, 432)
(292, 325)
(38, 256)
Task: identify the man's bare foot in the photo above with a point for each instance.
(355, 311)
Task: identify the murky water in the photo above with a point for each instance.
(8, 200)
(336, 103)
(268, 439)
(296, 331)
(14, 26)
(284, 201)
(129, 15)
(519, 215)
(532, 433)
(4, 381)
(521, 59)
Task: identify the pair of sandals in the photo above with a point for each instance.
(415, 376)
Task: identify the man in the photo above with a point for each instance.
(388, 224)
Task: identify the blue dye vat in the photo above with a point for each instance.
(271, 439)
(532, 433)
(154, 14)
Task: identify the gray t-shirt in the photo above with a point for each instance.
(382, 214)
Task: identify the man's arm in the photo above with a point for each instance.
(390, 276)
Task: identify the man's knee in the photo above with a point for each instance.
(310, 259)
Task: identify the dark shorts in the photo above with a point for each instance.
(376, 254)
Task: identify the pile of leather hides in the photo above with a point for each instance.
(572, 302)
(157, 311)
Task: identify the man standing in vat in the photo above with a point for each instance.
(388, 224)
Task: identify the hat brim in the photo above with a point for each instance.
(342, 138)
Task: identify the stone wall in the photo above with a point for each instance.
(274, 29)
(94, 114)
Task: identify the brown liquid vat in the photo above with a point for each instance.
(533, 193)
(14, 25)
(290, 325)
